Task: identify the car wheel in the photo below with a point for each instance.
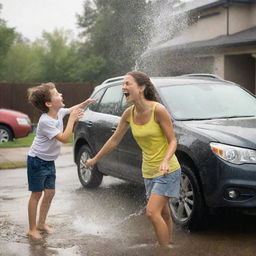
(5, 134)
(89, 177)
(189, 209)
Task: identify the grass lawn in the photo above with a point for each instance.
(12, 165)
(22, 142)
(25, 142)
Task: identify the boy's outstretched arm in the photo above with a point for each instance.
(82, 104)
(76, 114)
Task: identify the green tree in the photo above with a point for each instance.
(54, 57)
(58, 57)
(62, 61)
(23, 63)
(7, 36)
(116, 32)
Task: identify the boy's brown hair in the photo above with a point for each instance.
(39, 95)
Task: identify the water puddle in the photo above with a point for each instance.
(137, 246)
(7, 198)
(11, 232)
(33, 249)
(72, 251)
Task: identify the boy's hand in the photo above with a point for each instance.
(82, 105)
(76, 114)
(88, 102)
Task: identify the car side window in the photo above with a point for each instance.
(97, 96)
(110, 102)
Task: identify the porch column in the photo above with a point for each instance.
(254, 56)
(219, 65)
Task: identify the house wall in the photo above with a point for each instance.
(253, 14)
(208, 27)
(236, 63)
(241, 17)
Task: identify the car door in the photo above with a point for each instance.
(86, 128)
(129, 154)
(105, 121)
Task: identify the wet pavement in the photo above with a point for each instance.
(108, 221)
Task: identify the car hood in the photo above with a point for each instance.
(233, 131)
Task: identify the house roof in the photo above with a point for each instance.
(243, 38)
(201, 5)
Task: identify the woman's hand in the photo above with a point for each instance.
(164, 167)
(90, 162)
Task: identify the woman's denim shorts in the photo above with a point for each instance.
(166, 185)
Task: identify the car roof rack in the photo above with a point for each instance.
(113, 79)
(202, 75)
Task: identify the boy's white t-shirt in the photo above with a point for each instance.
(45, 146)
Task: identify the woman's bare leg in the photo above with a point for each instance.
(154, 210)
(166, 214)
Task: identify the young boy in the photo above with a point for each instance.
(45, 149)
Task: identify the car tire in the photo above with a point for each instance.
(5, 134)
(189, 210)
(89, 177)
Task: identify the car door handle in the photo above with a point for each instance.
(113, 129)
(88, 123)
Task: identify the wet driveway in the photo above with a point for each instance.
(108, 221)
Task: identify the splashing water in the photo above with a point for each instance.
(165, 23)
(91, 226)
(88, 226)
(135, 214)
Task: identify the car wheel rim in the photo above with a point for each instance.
(183, 206)
(86, 172)
(4, 136)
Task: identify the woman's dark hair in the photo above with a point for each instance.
(141, 79)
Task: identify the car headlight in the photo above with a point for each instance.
(235, 155)
(22, 121)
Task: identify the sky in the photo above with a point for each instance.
(32, 17)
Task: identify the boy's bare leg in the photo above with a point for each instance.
(44, 208)
(155, 206)
(32, 210)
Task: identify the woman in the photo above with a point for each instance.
(152, 128)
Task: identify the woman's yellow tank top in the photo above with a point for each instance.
(153, 144)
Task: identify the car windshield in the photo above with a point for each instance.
(208, 101)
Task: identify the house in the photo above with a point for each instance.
(220, 39)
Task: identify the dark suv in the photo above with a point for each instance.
(215, 126)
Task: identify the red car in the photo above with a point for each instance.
(13, 124)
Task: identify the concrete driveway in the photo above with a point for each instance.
(107, 221)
